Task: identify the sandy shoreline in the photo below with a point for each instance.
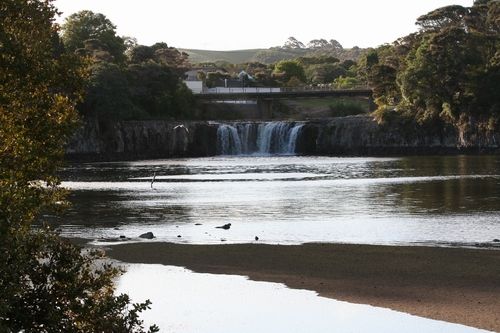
(454, 285)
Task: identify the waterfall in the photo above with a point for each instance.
(276, 138)
(228, 140)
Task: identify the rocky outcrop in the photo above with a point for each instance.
(363, 136)
(350, 136)
(142, 140)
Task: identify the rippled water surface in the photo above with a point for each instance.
(451, 201)
(447, 201)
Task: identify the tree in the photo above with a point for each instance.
(46, 284)
(140, 54)
(444, 17)
(95, 49)
(108, 94)
(293, 43)
(157, 90)
(163, 55)
(382, 79)
(344, 82)
(218, 76)
(441, 70)
(286, 69)
(447, 72)
(84, 25)
(317, 44)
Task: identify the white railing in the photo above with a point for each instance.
(321, 87)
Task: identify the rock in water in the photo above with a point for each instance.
(147, 235)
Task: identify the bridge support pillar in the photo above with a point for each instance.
(373, 106)
(266, 109)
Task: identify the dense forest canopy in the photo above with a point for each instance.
(446, 73)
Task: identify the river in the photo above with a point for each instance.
(436, 201)
(420, 201)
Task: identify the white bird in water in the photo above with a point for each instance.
(181, 126)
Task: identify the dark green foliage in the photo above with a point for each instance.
(85, 25)
(214, 77)
(346, 107)
(280, 109)
(147, 86)
(141, 54)
(109, 95)
(286, 70)
(221, 112)
(321, 60)
(382, 79)
(46, 284)
(63, 290)
(447, 73)
(163, 55)
(139, 91)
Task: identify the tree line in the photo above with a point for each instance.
(128, 81)
(446, 74)
(443, 73)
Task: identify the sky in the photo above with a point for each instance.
(226, 25)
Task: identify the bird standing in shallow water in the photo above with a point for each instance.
(152, 180)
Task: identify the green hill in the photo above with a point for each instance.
(233, 57)
(268, 56)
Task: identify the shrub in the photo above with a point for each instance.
(345, 107)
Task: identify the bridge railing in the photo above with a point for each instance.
(302, 88)
(325, 87)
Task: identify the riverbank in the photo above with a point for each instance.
(449, 284)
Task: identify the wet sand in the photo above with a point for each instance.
(450, 284)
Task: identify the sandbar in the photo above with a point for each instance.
(456, 285)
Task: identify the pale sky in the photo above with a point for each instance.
(236, 25)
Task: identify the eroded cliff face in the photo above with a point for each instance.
(349, 136)
(142, 140)
(363, 136)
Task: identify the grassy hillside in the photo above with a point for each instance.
(268, 56)
(232, 57)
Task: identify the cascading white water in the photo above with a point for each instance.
(228, 140)
(277, 138)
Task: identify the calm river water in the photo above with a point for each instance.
(430, 201)
(444, 201)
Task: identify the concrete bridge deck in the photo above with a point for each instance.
(266, 96)
(288, 93)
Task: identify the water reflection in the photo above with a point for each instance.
(449, 201)
(289, 200)
(190, 302)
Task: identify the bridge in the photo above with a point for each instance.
(264, 97)
(238, 94)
